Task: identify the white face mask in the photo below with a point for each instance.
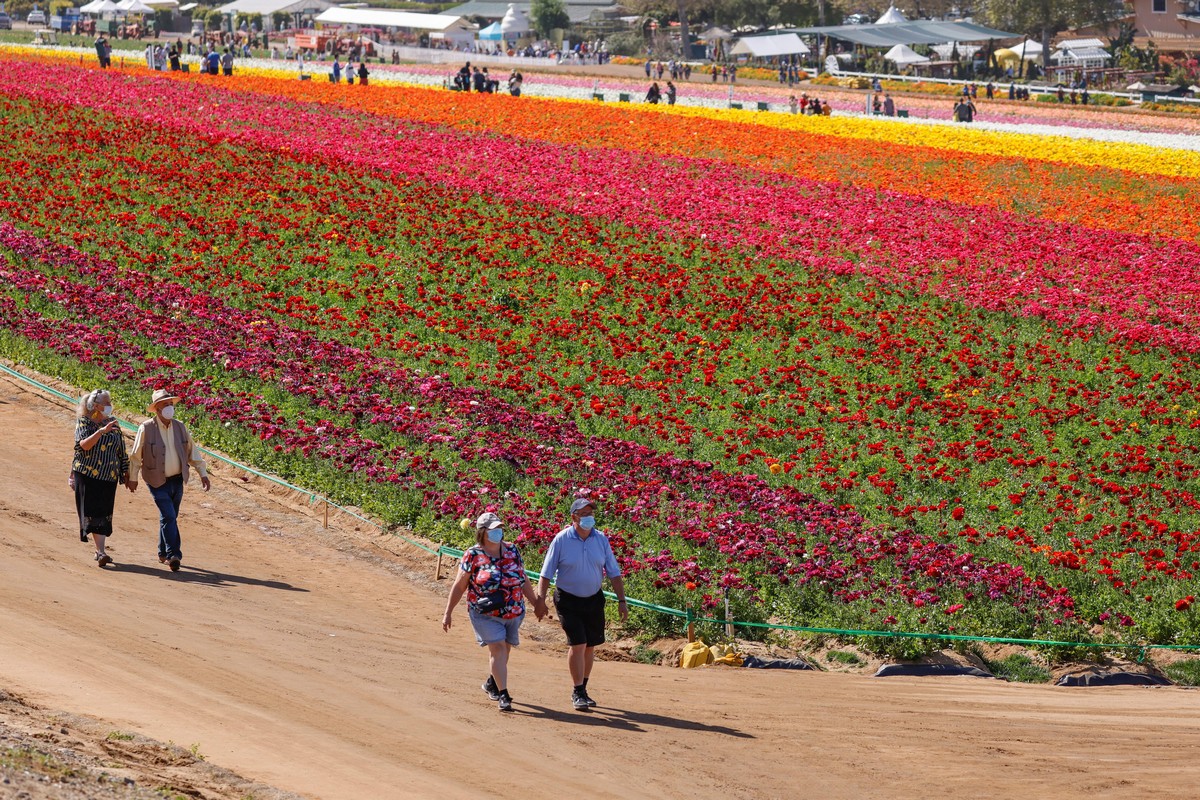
(108, 411)
(168, 412)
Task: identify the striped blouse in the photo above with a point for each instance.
(106, 461)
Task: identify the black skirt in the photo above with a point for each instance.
(94, 500)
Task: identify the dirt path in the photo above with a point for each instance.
(314, 662)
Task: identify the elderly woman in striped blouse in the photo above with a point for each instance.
(100, 463)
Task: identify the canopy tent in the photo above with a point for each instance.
(947, 50)
(378, 18)
(780, 44)
(491, 33)
(270, 7)
(890, 16)
(99, 7)
(1028, 50)
(908, 33)
(904, 55)
(715, 33)
(134, 7)
(1005, 57)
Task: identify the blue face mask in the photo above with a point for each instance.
(495, 535)
(587, 523)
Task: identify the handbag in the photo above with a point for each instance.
(492, 601)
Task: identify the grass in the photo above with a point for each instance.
(1017, 668)
(1184, 673)
(646, 655)
(24, 759)
(842, 657)
(119, 736)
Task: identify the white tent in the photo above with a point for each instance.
(890, 16)
(99, 7)
(964, 50)
(902, 54)
(379, 18)
(1029, 50)
(781, 44)
(134, 7)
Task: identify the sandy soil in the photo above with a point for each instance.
(313, 661)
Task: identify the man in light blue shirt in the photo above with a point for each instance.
(577, 561)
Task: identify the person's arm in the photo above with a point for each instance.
(613, 570)
(135, 458)
(196, 459)
(549, 570)
(88, 442)
(456, 593)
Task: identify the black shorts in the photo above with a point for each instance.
(582, 618)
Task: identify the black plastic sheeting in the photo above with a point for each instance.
(925, 670)
(1112, 679)
(771, 663)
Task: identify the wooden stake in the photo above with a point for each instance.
(327, 512)
(691, 626)
(437, 573)
(728, 620)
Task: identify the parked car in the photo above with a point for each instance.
(36, 17)
(198, 29)
(5, 22)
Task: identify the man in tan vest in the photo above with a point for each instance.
(163, 451)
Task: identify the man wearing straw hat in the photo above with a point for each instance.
(163, 451)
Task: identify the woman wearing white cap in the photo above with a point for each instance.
(492, 575)
(99, 465)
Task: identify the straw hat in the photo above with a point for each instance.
(161, 396)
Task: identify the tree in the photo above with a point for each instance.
(1045, 18)
(548, 15)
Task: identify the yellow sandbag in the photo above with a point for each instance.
(695, 654)
(730, 659)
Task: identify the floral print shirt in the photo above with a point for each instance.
(505, 572)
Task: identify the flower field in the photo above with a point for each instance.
(846, 375)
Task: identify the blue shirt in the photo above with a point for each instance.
(578, 566)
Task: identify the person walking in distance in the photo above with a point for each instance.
(578, 559)
(163, 451)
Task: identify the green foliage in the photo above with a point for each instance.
(1018, 668)
(119, 736)
(1184, 673)
(627, 43)
(548, 15)
(646, 655)
(842, 657)
(213, 20)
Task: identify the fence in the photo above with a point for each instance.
(688, 615)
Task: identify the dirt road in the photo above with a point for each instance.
(314, 661)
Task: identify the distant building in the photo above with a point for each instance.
(1166, 21)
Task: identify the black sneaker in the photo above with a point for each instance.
(174, 562)
(587, 697)
(579, 700)
(103, 560)
(505, 701)
(489, 686)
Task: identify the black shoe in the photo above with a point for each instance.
(588, 698)
(104, 560)
(579, 700)
(505, 701)
(174, 562)
(489, 686)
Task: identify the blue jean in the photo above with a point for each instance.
(168, 497)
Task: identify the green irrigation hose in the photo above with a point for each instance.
(674, 612)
